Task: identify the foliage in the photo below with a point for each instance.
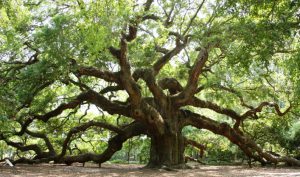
(52, 53)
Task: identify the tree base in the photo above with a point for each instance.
(168, 167)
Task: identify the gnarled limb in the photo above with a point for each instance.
(95, 72)
(148, 76)
(126, 78)
(262, 105)
(169, 55)
(194, 101)
(89, 96)
(248, 146)
(114, 144)
(111, 89)
(24, 148)
(84, 127)
(45, 138)
(192, 84)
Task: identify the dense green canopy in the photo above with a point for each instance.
(69, 65)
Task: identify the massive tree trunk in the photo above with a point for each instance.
(167, 149)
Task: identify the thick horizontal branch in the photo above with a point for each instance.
(246, 144)
(111, 89)
(45, 138)
(24, 148)
(106, 105)
(84, 127)
(222, 129)
(212, 106)
(64, 106)
(95, 72)
(89, 96)
(231, 113)
(114, 145)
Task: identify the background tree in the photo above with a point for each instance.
(74, 70)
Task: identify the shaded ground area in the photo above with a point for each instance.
(137, 171)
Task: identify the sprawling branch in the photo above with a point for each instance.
(192, 84)
(233, 114)
(24, 148)
(148, 76)
(126, 79)
(262, 105)
(114, 144)
(106, 105)
(64, 106)
(249, 147)
(84, 127)
(168, 56)
(111, 88)
(89, 96)
(92, 71)
(212, 106)
(45, 138)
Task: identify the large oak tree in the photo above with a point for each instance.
(163, 65)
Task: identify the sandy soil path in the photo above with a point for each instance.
(126, 170)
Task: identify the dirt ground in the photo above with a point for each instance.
(131, 170)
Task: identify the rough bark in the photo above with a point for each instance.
(248, 146)
(114, 145)
(167, 150)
